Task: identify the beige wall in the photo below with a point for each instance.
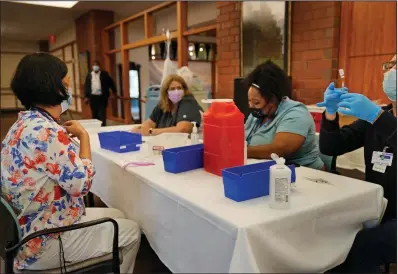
(64, 37)
(69, 55)
(11, 53)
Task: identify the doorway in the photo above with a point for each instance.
(134, 91)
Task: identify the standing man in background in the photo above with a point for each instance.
(96, 91)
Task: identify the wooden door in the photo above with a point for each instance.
(368, 38)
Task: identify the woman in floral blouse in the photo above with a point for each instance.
(44, 176)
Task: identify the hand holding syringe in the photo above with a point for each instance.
(332, 96)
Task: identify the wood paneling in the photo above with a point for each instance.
(125, 73)
(375, 28)
(366, 76)
(148, 21)
(367, 39)
(182, 41)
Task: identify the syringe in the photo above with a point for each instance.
(341, 74)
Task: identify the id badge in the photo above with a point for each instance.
(379, 167)
(382, 158)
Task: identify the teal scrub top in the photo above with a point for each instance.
(292, 117)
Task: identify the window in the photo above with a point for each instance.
(264, 33)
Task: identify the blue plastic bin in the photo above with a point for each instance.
(248, 182)
(120, 141)
(181, 159)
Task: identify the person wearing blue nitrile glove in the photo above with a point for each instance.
(332, 98)
(359, 106)
(376, 132)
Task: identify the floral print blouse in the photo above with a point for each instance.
(43, 178)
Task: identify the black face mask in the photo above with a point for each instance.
(257, 113)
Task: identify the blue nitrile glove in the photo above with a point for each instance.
(359, 106)
(332, 98)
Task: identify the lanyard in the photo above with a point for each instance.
(258, 123)
(45, 114)
(256, 126)
(386, 146)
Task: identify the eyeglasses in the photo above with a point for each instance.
(389, 65)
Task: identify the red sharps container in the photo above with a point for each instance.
(223, 136)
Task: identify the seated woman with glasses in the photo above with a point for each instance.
(278, 124)
(176, 110)
(44, 175)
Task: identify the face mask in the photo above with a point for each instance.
(175, 95)
(390, 84)
(258, 113)
(96, 68)
(65, 104)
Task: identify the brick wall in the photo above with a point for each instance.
(88, 32)
(314, 48)
(228, 48)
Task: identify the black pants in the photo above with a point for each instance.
(372, 248)
(98, 108)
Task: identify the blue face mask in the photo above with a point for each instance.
(390, 84)
(65, 104)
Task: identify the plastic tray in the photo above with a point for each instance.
(250, 181)
(90, 123)
(120, 141)
(181, 159)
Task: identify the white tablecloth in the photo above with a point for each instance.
(193, 228)
(351, 160)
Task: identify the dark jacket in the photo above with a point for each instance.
(335, 141)
(106, 85)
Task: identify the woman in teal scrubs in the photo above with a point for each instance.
(278, 124)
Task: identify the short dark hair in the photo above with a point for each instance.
(271, 80)
(38, 80)
(97, 62)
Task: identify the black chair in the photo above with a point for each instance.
(11, 241)
(240, 97)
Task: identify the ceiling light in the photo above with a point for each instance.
(56, 4)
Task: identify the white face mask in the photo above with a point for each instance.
(96, 68)
(65, 104)
(390, 84)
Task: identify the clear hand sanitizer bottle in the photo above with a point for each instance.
(194, 134)
(279, 183)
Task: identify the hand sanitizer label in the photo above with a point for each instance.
(281, 190)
